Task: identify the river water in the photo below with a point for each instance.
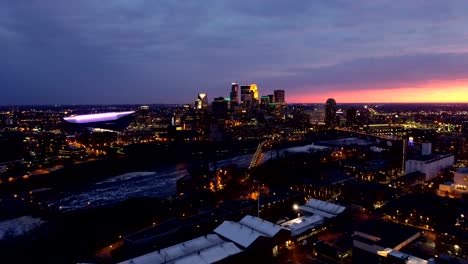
(160, 183)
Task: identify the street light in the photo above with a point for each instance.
(295, 207)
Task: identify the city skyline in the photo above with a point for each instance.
(167, 52)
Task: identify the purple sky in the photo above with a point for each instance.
(131, 51)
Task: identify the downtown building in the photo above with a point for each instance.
(330, 113)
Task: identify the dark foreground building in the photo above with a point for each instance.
(383, 242)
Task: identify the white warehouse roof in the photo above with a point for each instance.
(199, 250)
(260, 225)
(311, 210)
(238, 233)
(246, 231)
(301, 224)
(211, 254)
(326, 207)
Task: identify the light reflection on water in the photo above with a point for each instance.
(160, 183)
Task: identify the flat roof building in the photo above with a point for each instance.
(299, 226)
(382, 242)
(316, 214)
(322, 208)
(428, 163)
(458, 187)
(206, 249)
(251, 232)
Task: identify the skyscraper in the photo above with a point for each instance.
(330, 113)
(351, 116)
(234, 94)
(265, 100)
(254, 91)
(202, 101)
(246, 95)
(279, 96)
(271, 98)
(219, 108)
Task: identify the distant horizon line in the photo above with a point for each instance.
(142, 104)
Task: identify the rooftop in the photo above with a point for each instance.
(212, 254)
(430, 158)
(101, 117)
(247, 230)
(304, 222)
(389, 234)
(238, 233)
(463, 170)
(311, 210)
(326, 207)
(260, 225)
(205, 249)
(409, 259)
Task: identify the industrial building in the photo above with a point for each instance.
(206, 249)
(383, 242)
(458, 187)
(428, 163)
(250, 238)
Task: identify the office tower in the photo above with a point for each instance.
(351, 116)
(271, 98)
(219, 108)
(246, 95)
(202, 101)
(330, 113)
(364, 116)
(279, 96)
(254, 91)
(265, 100)
(234, 94)
(228, 100)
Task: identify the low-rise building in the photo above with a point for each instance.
(458, 187)
(322, 208)
(383, 242)
(253, 233)
(304, 227)
(206, 249)
(428, 163)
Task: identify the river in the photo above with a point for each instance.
(160, 183)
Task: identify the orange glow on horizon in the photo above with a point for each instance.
(435, 92)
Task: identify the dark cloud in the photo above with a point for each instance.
(166, 51)
(384, 72)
